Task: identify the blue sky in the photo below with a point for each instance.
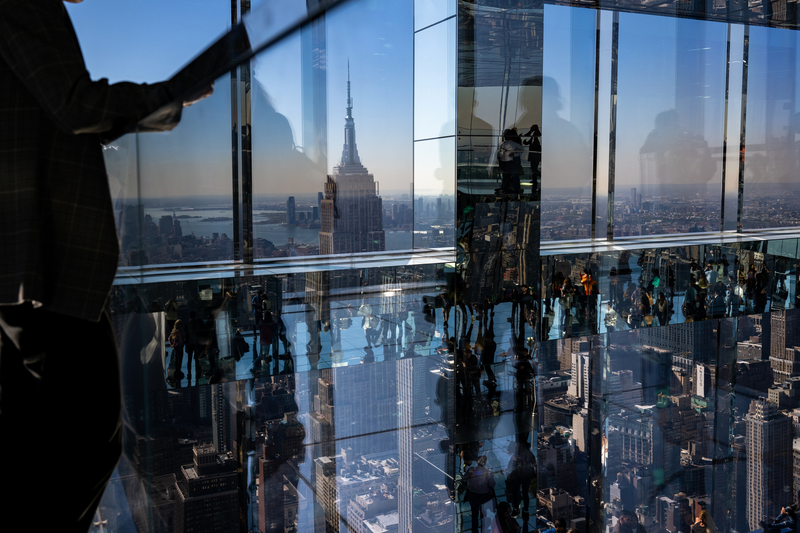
(148, 41)
(145, 40)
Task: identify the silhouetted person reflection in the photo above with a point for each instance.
(477, 136)
(524, 396)
(628, 523)
(671, 155)
(509, 157)
(193, 331)
(520, 472)
(566, 160)
(274, 147)
(535, 159)
(480, 492)
(486, 347)
(314, 344)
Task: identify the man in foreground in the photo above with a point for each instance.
(60, 423)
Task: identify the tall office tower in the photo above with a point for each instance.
(320, 196)
(207, 495)
(354, 386)
(579, 386)
(351, 212)
(633, 196)
(222, 419)
(784, 358)
(548, 360)
(738, 484)
(278, 499)
(649, 436)
(796, 468)
(165, 225)
(419, 434)
(704, 379)
(321, 420)
(291, 211)
(325, 470)
(556, 463)
(769, 462)
(623, 392)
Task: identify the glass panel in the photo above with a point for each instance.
(671, 96)
(151, 56)
(434, 193)
(389, 397)
(434, 81)
(603, 194)
(123, 180)
(185, 187)
(477, 144)
(772, 106)
(268, 20)
(731, 194)
(567, 120)
(427, 12)
(323, 185)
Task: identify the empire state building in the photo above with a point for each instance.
(351, 212)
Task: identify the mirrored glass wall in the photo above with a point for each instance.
(611, 343)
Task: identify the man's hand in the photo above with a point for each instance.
(199, 95)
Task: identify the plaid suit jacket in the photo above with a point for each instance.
(58, 241)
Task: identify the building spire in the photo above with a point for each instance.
(349, 100)
(350, 159)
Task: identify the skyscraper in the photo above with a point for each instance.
(222, 419)
(291, 217)
(579, 386)
(784, 358)
(769, 462)
(351, 212)
(207, 495)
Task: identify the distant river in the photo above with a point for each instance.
(279, 235)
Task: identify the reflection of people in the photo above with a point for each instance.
(509, 156)
(628, 523)
(258, 310)
(610, 319)
(60, 254)
(568, 161)
(704, 523)
(171, 313)
(672, 155)
(176, 342)
(274, 146)
(503, 521)
(480, 491)
(535, 158)
(787, 519)
(193, 332)
(520, 472)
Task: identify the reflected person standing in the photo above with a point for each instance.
(628, 523)
(60, 254)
